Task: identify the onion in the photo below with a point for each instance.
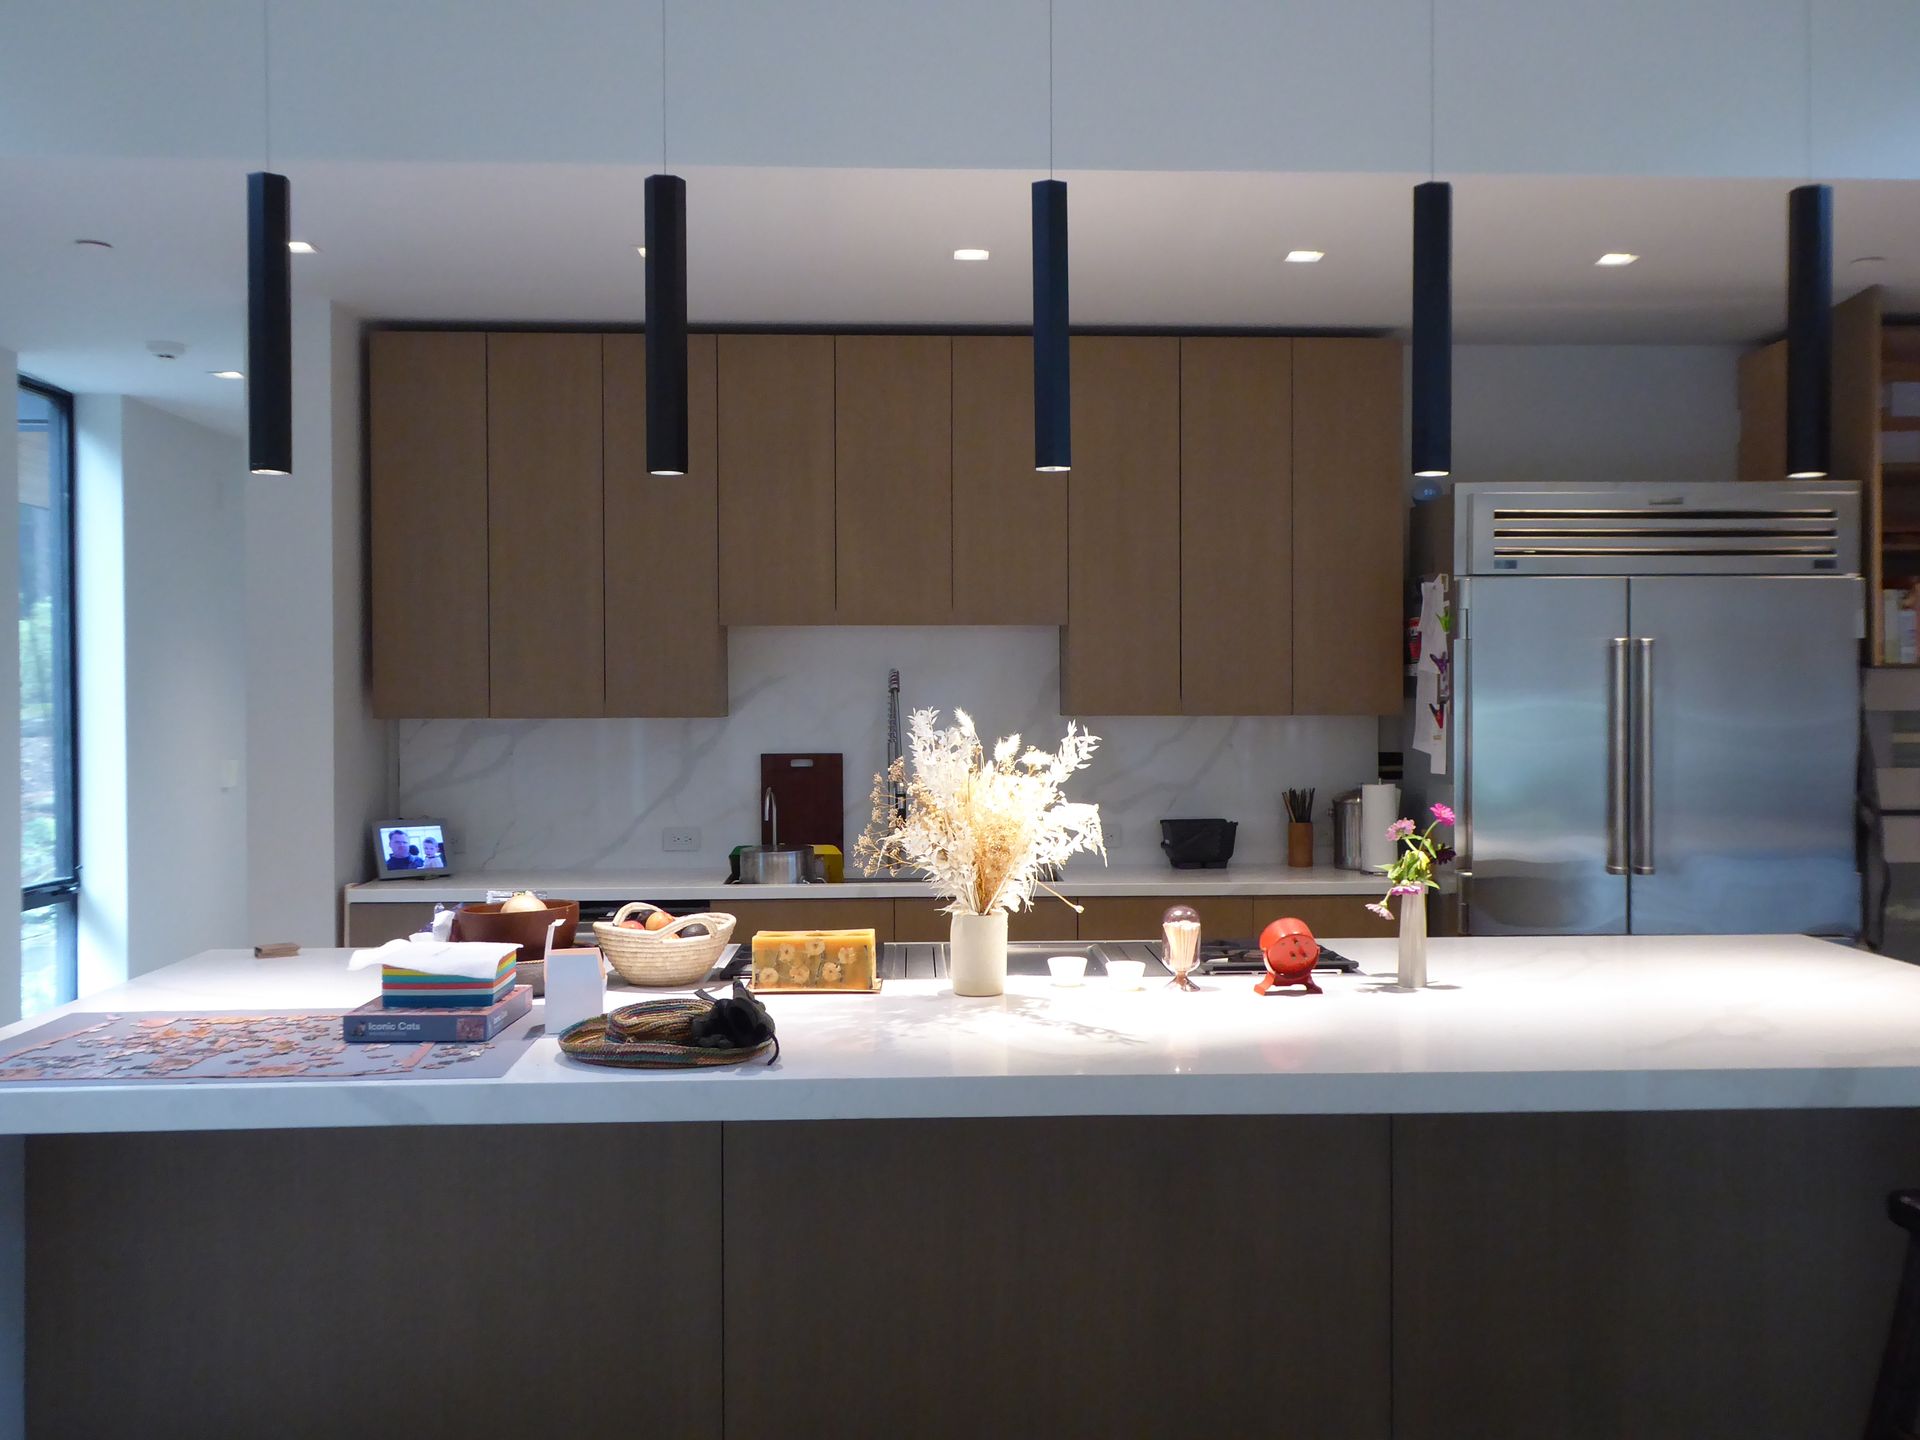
(521, 902)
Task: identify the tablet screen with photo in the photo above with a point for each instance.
(402, 849)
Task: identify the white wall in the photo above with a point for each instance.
(186, 689)
(595, 794)
(1595, 412)
(163, 730)
(318, 763)
(9, 714)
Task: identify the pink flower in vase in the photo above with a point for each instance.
(1408, 890)
(1381, 910)
(1443, 813)
(1400, 829)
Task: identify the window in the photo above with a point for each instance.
(49, 848)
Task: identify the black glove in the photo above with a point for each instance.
(738, 1023)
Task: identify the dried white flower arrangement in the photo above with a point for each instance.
(982, 830)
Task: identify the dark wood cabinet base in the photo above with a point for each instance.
(1540, 1277)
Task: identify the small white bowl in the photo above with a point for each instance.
(1125, 974)
(1067, 969)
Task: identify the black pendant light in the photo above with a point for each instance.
(269, 297)
(1809, 307)
(1809, 330)
(666, 325)
(1052, 387)
(666, 303)
(269, 326)
(1432, 365)
(1433, 328)
(1052, 382)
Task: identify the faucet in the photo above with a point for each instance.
(770, 812)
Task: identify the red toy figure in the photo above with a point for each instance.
(1291, 951)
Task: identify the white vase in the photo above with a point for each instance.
(1413, 941)
(977, 955)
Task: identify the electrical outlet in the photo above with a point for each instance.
(680, 837)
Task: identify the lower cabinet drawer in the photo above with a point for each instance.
(757, 915)
(1137, 917)
(369, 925)
(923, 920)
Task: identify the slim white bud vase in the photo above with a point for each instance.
(977, 954)
(1413, 941)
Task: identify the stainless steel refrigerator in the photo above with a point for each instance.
(1656, 707)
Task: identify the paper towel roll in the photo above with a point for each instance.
(1379, 808)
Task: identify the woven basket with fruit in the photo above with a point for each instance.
(647, 946)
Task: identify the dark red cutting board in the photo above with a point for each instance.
(807, 788)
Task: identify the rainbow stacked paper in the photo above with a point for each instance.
(418, 989)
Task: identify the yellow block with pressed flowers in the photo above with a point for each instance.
(815, 960)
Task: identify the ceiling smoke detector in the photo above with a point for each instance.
(166, 349)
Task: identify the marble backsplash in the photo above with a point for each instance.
(595, 795)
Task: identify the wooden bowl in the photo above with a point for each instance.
(524, 928)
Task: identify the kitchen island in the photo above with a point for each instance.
(1584, 1187)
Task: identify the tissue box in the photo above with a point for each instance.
(402, 989)
(814, 960)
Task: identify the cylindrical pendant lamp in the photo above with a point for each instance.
(1052, 390)
(1433, 328)
(1809, 330)
(666, 325)
(269, 326)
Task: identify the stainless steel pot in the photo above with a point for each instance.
(1346, 831)
(776, 865)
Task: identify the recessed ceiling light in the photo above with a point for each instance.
(1305, 257)
(1616, 257)
(95, 244)
(970, 254)
(227, 374)
(301, 247)
(642, 250)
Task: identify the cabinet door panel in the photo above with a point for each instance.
(427, 463)
(546, 619)
(757, 915)
(1349, 528)
(666, 653)
(1009, 520)
(1236, 501)
(892, 476)
(1137, 917)
(776, 480)
(1120, 648)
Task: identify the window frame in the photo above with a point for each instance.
(62, 892)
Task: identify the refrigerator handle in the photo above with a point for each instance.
(1618, 749)
(1643, 756)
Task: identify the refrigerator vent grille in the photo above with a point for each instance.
(1808, 534)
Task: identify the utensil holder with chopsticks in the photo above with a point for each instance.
(1299, 829)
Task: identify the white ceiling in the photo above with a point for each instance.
(782, 246)
(481, 160)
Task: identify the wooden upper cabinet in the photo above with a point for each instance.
(546, 618)
(1009, 521)
(776, 479)
(1120, 648)
(1763, 413)
(1349, 527)
(427, 464)
(893, 473)
(666, 653)
(1236, 546)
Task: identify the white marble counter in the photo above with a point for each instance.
(676, 885)
(1615, 1023)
